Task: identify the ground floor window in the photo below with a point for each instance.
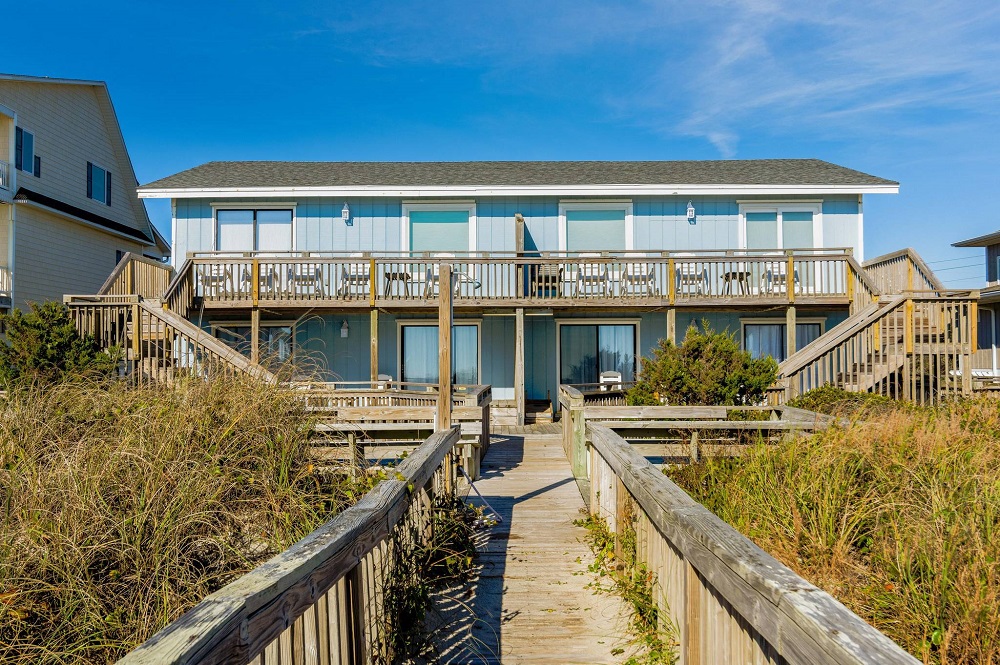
(276, 340)
(768, 339)
(587, 349)
(419, 354)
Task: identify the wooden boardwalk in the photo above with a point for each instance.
(531, 602)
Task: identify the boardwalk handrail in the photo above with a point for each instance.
(322, 595)
(917, 345)
(902, 270)
(729, 601)
(138, 275)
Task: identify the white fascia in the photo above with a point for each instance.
(516, 190)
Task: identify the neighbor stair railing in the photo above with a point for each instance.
(137, 275)
(323, 600)
(916, 346)
(724, 599)
(901, 271)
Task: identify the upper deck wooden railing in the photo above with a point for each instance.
(901, 271)
(6, 286)
(727, 600)
(386, 280)
(326, 599)
(137, 275)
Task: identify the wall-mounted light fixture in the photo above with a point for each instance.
(344, 329)
(690, 213)
(345, 213)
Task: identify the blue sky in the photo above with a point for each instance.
(904, 90)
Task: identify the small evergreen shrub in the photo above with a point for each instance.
(832, 400)
(707, 368)
(43, 346)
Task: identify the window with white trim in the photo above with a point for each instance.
(25, 158)
(253, 230)
(418, 356)
(765, 338)
(98, 184)
(792, 226)
(599, 227)
(439, 228)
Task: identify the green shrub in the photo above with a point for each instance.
(832, 400)
(707, 368)
(43, 346)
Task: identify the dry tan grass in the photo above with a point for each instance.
(123, 507)
(897, 516)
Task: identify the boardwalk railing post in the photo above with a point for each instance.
(444, 347)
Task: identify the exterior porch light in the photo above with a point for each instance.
(344, 329)
(345, 214)
(690, 212)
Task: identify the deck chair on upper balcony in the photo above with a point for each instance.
(592, 277)
(215, 281)
(637, 279)
(305, 279)
(774, 279)
(432, 282)
(355, 275)
(690, 278)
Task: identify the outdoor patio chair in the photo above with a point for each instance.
(611, 380)
(775, 278)
(305, 279)
(637, 279)
(458, 277)
(216, 281)
(691, 279)
(592, 277)
(266, 280)
(355, 275)
(383, 382)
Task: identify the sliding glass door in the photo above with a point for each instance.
(586, 350)
(419, 354)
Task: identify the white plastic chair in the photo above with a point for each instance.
(591, 277)
(610, 379)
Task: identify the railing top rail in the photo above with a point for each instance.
(804, 623)
(826, 252)
(211, 631)
(124, 299)
(863, 275)
(911, 255)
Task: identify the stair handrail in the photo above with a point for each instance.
(209, 343)
(880, 269)
(171, 294)
(864, 290)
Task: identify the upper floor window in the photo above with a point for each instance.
(25, 158)
(98, 184)
(601, 227)
(254, 230)
(439, 227)
(792, 226)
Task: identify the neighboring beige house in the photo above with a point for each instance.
(68, 204)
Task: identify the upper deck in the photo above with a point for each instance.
(705, 278)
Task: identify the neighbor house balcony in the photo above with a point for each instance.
(707, 278)
(6, 195)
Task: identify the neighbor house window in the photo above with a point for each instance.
(250, 230)
(25, 158)
(98, 184)
(419, 354)
(276, 340)
(768, 339)
(587, 349)
(780, 226)
(598, 227)
(439, 228)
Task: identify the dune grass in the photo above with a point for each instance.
(896, 515)
(123, 507)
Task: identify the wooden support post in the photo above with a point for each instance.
(671, 282)
(255, 334)
(444, 347)
(519, 396)
(909, 273)
(850, 282)
(672, 325)
(578, 460)
(372, 283)
(790, 278)
(519, 251)
(694, 447)
(373, 332)
(974, 325)
(356, 615)
(790, 345)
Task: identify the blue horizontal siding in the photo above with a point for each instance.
(659, 223)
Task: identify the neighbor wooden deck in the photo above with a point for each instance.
(531, 603)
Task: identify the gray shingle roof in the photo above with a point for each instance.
(224, 175)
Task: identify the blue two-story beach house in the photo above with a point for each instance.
(564, 272)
